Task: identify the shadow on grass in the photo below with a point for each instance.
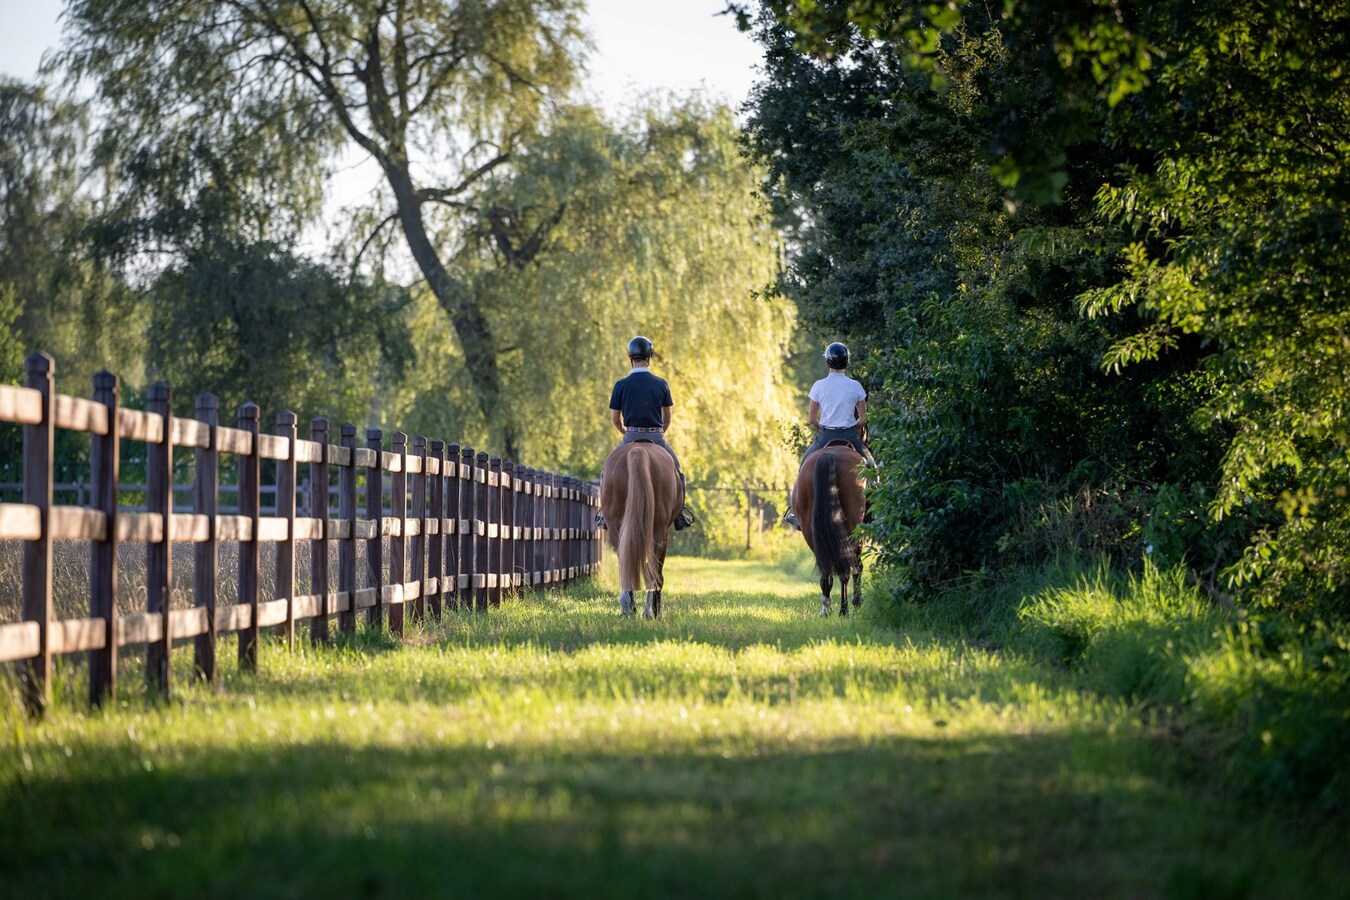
(988, 816)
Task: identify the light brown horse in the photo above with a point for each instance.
(640, 495)
(829, 504)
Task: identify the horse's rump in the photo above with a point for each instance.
(829, 503)
(640, 494)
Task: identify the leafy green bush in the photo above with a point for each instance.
(1283, 692)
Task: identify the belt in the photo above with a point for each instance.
(643, 429)
(839, 427)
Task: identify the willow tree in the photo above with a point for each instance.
(439, 93)
(52, 291)
(665, 235)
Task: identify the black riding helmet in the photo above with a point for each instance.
(641, 348)
(836, 356)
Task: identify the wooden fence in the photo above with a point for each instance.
(462, 529)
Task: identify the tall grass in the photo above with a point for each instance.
(1264, 704)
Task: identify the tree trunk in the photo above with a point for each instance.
(466, 316)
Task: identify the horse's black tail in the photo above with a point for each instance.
(834, 551)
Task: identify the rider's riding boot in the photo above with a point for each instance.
(790, 518)
(600, 522)
(686, 515)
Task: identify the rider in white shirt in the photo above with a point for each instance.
(838, 410)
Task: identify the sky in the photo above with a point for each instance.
(641, 45)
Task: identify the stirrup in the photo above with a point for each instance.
(600, 522)
(684, 519)
(790, 518)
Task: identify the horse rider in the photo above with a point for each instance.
(640, 407)
(838, 411)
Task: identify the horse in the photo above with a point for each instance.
(640, 496)
(829, 504)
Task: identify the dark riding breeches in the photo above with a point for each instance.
(825, 435)
(654, 437)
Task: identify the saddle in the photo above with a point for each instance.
(840, 442)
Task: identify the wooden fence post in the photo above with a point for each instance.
(482, 514)
(546, 526)
(510, 503)
(528, 533)
(159, 559)
(318, 549)
(539, 551)
(436, 541)
(574, 499)
(467, 551)
(453, 514)
(418, 545)
(38, 469)
(398, 547)
(565, 515)
(285, 509)
(104, 468)
(250, 471)
(206, 555)
(375, 513)
(347, 546)
(495, 528)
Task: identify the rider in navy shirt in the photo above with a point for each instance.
(640, 407)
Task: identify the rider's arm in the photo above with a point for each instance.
(814, 414)
(616, 416)
(665, 418)
(861, 411)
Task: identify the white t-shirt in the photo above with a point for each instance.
(838, 396)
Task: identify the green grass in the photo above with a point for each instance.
(741, 747)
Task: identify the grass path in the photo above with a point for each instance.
(741, 747)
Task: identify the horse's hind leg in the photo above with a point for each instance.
(843, 594)
(826, 585)
(626, 605)
(857, 584)
(653, 609)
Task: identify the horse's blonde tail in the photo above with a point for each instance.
(637, 533)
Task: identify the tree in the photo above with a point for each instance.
(252, 321)
(1002, 439)
(441, 95)
(59, 297)
(1217, 228)
(665, 236)
(1238, 238)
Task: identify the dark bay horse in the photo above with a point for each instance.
(640, 495)
(829, 504)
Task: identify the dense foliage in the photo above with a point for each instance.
(1096, 257)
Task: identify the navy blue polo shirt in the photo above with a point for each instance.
(640, 397)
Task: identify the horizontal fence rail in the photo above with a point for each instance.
(462, 529)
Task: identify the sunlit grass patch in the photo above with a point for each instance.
(740, 746)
